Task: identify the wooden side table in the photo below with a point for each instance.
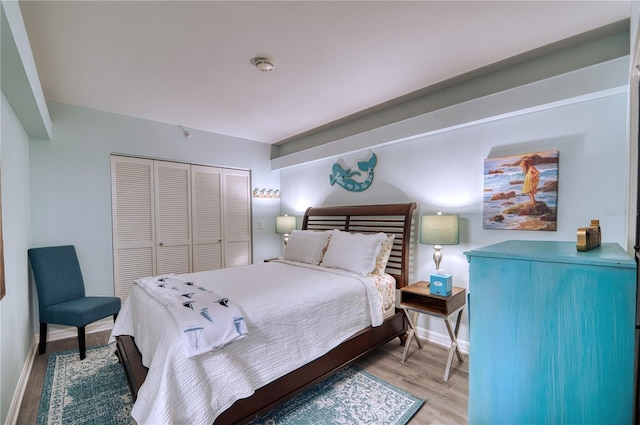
(416, 299)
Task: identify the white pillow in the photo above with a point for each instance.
(306, 246)
(353, 252)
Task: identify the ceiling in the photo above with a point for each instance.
(188, 63)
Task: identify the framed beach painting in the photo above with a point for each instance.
(521, 192)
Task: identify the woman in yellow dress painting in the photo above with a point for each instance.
(531, 178)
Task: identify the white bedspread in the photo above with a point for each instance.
(294, 314)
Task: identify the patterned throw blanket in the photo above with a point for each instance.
(206, 321)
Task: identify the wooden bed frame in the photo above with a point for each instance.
(393, 219)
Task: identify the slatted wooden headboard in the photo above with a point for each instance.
(392, 219)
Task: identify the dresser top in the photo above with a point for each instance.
(607, 254)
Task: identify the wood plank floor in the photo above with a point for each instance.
(421, 376)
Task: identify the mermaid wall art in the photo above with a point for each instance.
(354, 178)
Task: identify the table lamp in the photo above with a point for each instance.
(439, 230)
(285, 224)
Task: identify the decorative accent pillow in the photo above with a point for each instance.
(383, 257)
(353, 252)
(306, 246)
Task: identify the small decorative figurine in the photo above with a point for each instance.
(589, 237)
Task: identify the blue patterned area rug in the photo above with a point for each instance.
(95, 391)
(91, 391)
(351, 396)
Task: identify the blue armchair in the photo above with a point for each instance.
(61, 295)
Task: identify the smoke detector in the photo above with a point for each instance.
(263, 63)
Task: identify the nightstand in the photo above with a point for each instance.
(416, 299)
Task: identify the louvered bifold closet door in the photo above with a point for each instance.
(133, 221)
(206, 183)
(237, 218)
(173, 217)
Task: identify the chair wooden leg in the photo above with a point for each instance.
(82, 342)
(42, 347)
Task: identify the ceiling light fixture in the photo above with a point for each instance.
(263, 63)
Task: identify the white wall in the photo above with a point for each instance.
(15, 317)
(71, 186)
(444, 172)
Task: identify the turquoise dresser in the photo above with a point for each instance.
(551, 334)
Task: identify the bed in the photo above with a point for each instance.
(352, 342)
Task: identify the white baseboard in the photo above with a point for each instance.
(55, 333)
(16, 402)
(441, 339)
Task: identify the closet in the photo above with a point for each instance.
(171, 217)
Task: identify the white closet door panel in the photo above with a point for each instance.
(133, 221)
(133, 200)
(237, 254)
(133, 263)
(173, 198)
(237, 217)
(207, 257)
(207, 217)
(174, 259)
(173, 216)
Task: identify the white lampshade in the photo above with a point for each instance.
(439, 230)
(285, 224)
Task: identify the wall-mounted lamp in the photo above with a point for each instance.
(439, 230)
(285, 224)
(266, 193)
